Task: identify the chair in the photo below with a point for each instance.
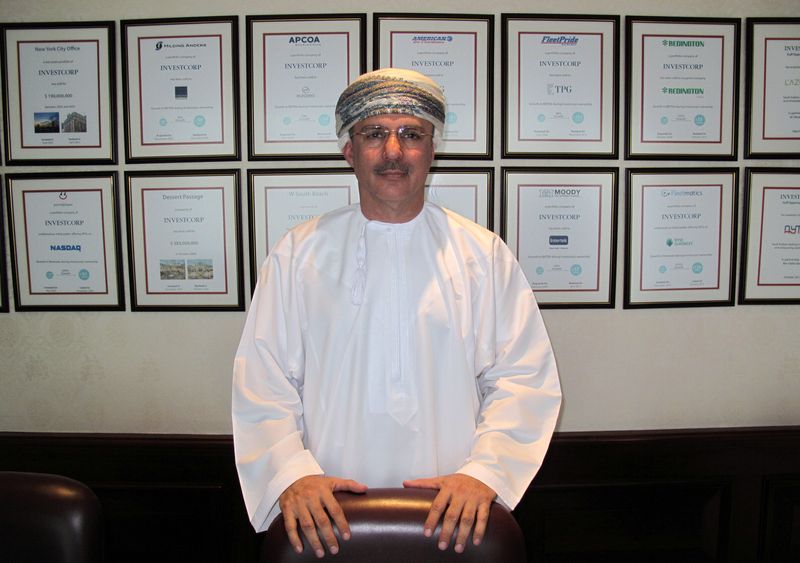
(48, 518)
(386, 527)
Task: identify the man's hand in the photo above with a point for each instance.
(306, 501)
(464, 501)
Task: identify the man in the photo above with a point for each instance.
(390, 343)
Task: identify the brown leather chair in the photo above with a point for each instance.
(48, 518)
(386, 527)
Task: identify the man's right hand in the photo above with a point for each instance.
(305, 503)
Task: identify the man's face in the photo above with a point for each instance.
(391, 177)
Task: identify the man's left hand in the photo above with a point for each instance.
(462, 501)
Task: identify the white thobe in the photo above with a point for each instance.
(383, 352)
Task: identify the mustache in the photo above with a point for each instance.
(391, 166)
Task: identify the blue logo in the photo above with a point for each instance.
(540, 118)
(324, 119)
(163, 122)
(662, 269)
(577, 117)
(697, 267)
(699, 120)
(84, 274)
(539, 270)
(49, 275)
(576, 270)
(670, 242)
(199, 121)
(287, 120)
(664, 120)
(452, 117)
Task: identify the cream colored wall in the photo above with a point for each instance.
(620, 369)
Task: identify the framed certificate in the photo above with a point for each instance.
(457, 51)
(680, 243)
(65, 244)
(184, 241)
(770, 265)
(683, 84)
(297, 66)
(282, 198)
(561, 225)
(58, 93)
(181, 80)
(3, 273)
(467, 191)
(773, 88)
(560, 77)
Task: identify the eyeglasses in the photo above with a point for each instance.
(375, 136)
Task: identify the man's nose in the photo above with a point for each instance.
(392, 148)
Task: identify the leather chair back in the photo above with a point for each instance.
(48, 518)
(386, 527)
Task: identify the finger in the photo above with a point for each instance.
(323, 524)
(337, 514)
(429, 483)
(481, 521)
(310, 532)
(438, 506)
(349, 485)
(450, 521)
(290, 524)
(465, 525)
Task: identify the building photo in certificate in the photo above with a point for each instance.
(184, 236)
(59, 93)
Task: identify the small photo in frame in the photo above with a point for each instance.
(682, 77)
(457, 52)
(184, 241)
(773, 79)
(561, 226)
(466, 191)
(59, 97)
(297, 66)
(65, 242)
(770, 265)
(181, 82)
(560, 86)
(680, 243)
(4, 308)
(283, 198)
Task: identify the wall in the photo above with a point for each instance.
(621, 369)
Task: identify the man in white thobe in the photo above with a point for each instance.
(390, 343)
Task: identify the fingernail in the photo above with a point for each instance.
(459, 548)
(346, 535)
(442, 545)
(428, 532)
(476, 541)
(334, 550)
(298, 549)
(320, 553)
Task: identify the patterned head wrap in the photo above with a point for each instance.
(390, 90)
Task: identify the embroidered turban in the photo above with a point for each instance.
(390, 90)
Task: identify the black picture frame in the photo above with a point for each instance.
(200, 145)
(46, 296)
(62, 141)
(572, 141)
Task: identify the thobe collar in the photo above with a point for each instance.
(360, 275)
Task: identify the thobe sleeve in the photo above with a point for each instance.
(267, 408)
(518, 382)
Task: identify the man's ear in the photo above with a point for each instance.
(347, 151)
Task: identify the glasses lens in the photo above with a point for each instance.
(376, 136)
